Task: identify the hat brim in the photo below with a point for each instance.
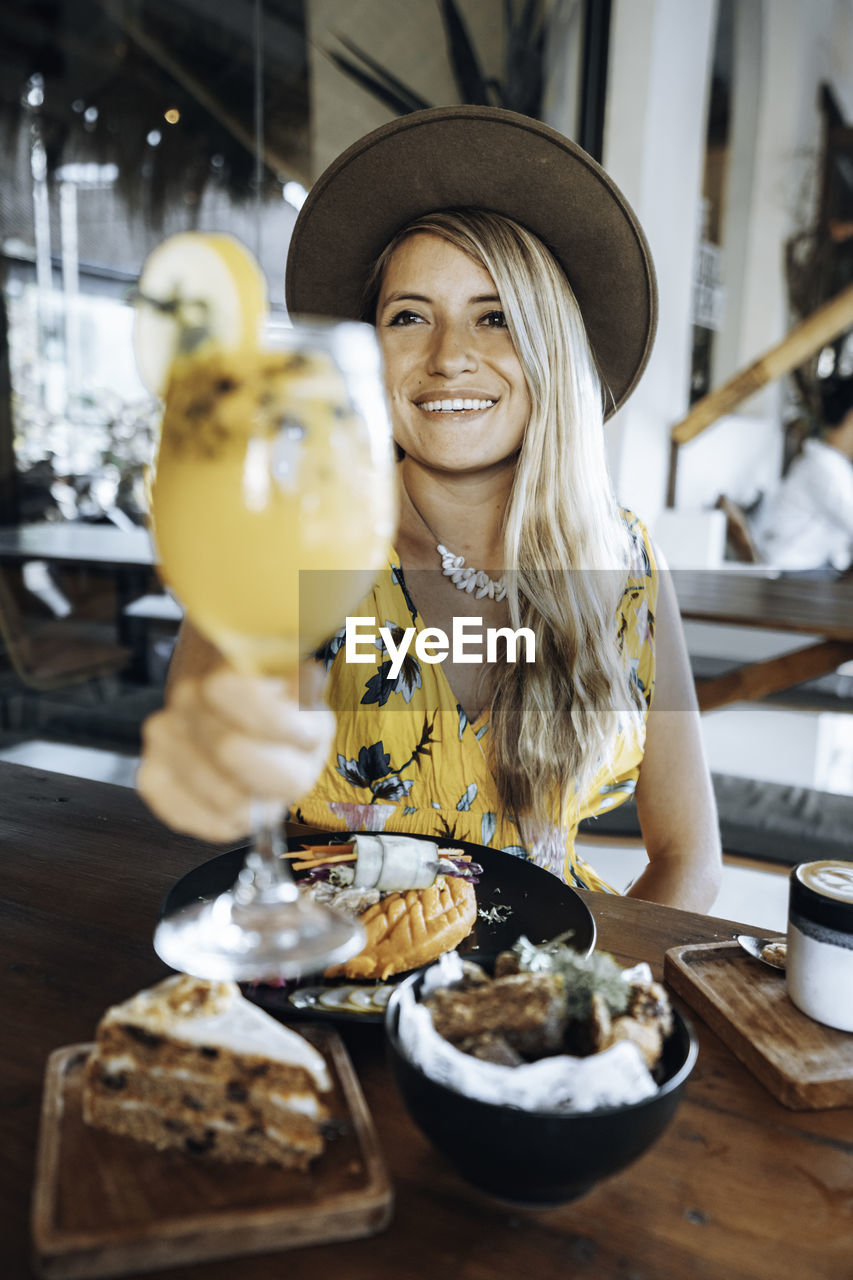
(486, 158)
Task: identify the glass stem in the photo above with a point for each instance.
(266, 876)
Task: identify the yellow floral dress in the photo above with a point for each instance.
(406, 758)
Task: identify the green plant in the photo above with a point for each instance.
(519, 88)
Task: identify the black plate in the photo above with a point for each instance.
(542, 907)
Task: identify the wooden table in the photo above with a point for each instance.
(68, 541)
(739, 1188)
(800, 605)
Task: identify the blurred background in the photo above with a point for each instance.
(728, 124)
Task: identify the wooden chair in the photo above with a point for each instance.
(52, 655)
(738, 533)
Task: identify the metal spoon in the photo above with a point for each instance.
(770, 951)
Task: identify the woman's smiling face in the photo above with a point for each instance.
(458, 395)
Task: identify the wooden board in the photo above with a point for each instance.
(105, 1205)
(807, 1066)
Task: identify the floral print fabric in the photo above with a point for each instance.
(407, 759)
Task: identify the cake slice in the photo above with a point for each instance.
(194, 1065)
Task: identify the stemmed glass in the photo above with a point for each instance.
(272, 506)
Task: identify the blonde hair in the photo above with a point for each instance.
(567, 547)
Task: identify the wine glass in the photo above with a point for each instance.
(273, 505)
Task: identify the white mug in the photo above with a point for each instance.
(819, 966)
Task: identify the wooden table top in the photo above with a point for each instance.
(70, 541)
(812, 606)
(738, 1188)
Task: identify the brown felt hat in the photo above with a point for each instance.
(485, 158)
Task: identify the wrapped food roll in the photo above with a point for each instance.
(392, 862)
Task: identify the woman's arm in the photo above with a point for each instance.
(224, 739)
(675, 799)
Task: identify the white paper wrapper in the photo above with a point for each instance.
(563, 1084)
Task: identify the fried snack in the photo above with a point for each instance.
(647, 1022)
(528, 1010)
(547, 999)
(491, 1047)
(775, 953)
(406, 930)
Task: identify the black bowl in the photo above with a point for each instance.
(537, 1158)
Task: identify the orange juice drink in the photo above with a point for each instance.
(273, 502)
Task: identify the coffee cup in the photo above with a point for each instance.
(819, 966)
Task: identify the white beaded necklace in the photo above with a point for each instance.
(474, 581)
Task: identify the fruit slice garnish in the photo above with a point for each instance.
(195, 287)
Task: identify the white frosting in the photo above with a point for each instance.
(216, 1014)
(244, 1028)
(304, 1103)
(115, 1062)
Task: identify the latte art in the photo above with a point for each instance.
(832, 878)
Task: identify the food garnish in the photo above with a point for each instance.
(195, 288)
(497, 914)
(584, 976)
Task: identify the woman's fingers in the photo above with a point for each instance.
(170, 739)
(269, 771)
(255, 734)
(225, 740)
(275, 710)
(182, 810)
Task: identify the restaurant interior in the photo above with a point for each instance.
(129, 123)
(729, 126)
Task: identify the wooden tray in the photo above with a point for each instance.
(105, 1205)
(807, 1066)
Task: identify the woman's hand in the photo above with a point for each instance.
(225, 739)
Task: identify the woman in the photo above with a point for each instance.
(492, 345)
(806, 526)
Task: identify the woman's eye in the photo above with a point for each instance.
(405, 317)
(494, 320)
